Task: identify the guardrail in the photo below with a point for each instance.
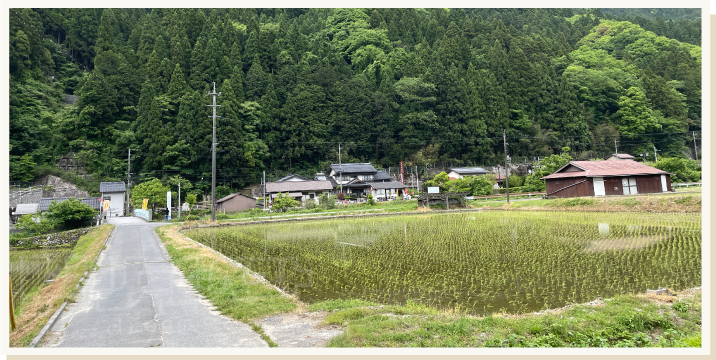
(144, 214)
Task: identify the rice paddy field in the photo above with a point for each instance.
(31, 267)
(478, 262)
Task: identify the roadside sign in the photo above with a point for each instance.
(106, 205)
(433, 189)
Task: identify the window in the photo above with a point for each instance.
(107, 198)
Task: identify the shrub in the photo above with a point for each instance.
(34, 224)
(71, 213)
(222, 216)
(370, 199)
(685, 170)
(192, 217)
(283, 202)
(327, 202)
(341, 196)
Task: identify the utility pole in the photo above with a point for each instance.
(655, 157)
(417, 176)
(213, 155)
(264, 182)
(179, 202)
(129, 158)
(507, 170)
(615, 147)
(340, 166)
(696, 154)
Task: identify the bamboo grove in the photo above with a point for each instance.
(479, 262)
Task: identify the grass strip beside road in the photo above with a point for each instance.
(42, 302)
(231, 289)
(623, 321)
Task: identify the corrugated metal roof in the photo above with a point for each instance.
(231, 196)
(24, 209)
(290, 176)
(111, 187)
(469, 170)
(387, 185)
(623, 156)
(606, 168)
(45, 202)
(355, 168)
(285, 186)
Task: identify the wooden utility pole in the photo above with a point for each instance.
(696, 153)
(507, 169)
(129, 159)
(213, 154)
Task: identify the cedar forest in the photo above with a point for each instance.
(388, 85)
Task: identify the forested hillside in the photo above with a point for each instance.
(388, 85)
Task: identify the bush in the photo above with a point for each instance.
(685, 170)
(311, 204)
(192, 217)
(327, 202)
(222, 216)
(71, 213)
(370, 199)
(29, 225)
(283, 202)
(341, 196)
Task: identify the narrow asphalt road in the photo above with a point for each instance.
(138, 298)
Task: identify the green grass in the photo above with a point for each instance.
(51, 296)
(624, 321)
(230, 289)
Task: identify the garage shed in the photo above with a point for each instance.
(599, 178)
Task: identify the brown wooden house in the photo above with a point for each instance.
(235, 202)
(599, 178)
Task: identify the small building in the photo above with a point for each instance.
(115, 193)
(301, 190)
(599, 178)
(384, 190)
(235, 202)
(459, 173)
(620, 157)
(24, 209)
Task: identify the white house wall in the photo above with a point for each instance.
(116, 203)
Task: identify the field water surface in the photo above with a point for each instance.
(478, 262)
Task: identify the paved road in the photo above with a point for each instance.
(138, 298)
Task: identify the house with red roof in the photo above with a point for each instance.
(599, 178)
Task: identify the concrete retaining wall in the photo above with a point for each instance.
(144, 214)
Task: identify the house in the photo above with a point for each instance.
(620, 157)
(45, 203)
(24, 209)
(459, 173)
(235, 202)
(599, 178)
(347, 174)
(300, 190)
(114, 192)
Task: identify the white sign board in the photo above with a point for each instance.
(169, 203)
(433, 189)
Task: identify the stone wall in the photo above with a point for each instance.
(61, 238)
(62, 188)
